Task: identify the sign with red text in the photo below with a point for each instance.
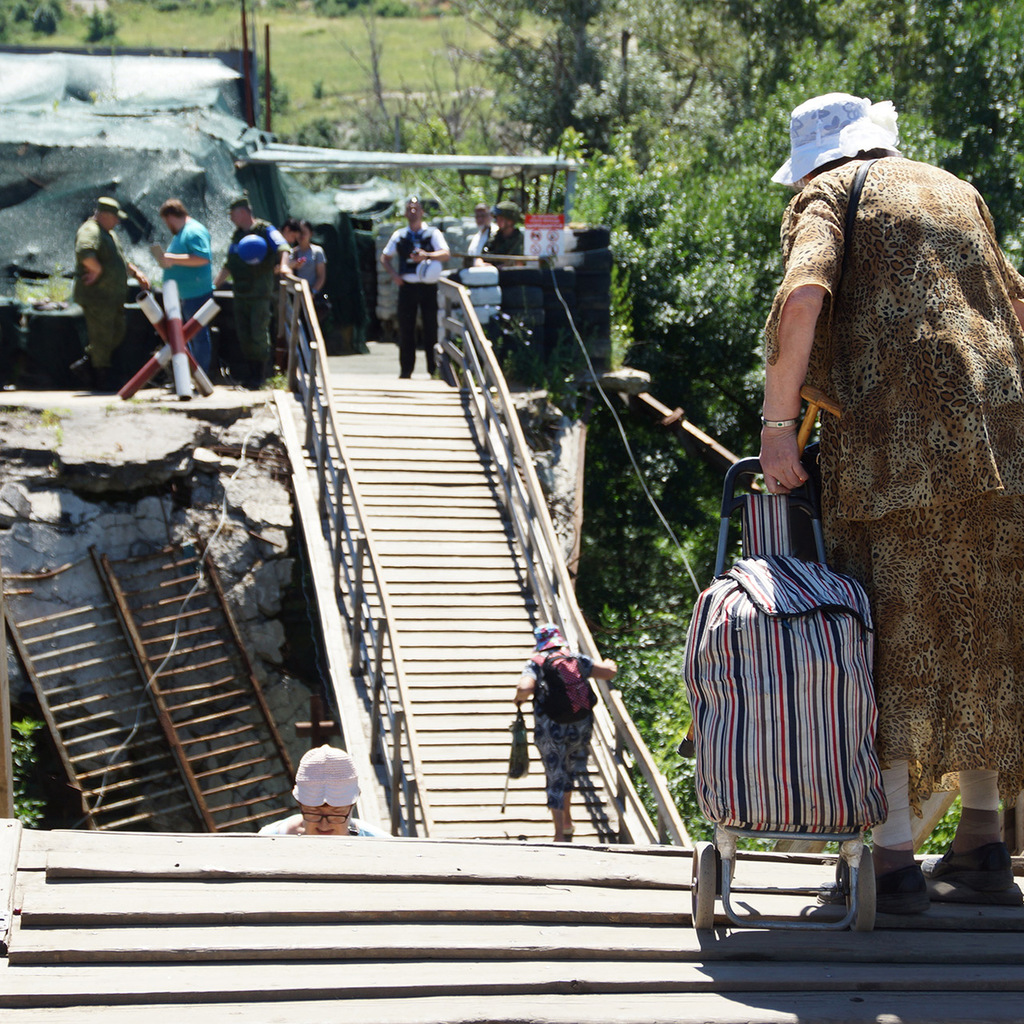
(544, 232)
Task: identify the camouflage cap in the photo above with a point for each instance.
(508, 209)
(107, 205)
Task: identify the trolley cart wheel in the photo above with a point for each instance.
(703, 889)
(865, 919)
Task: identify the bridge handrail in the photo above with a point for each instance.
(355, 563)
(615, 739)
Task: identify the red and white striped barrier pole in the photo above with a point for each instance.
(176, 339)
(155, 315)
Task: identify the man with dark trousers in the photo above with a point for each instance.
(421, 251)
(101, 287)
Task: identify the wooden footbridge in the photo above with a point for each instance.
(423, 516)
(432, 547)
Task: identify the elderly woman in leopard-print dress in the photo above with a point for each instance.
(917, 337)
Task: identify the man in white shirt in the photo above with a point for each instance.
(482, 213)
(421, 251)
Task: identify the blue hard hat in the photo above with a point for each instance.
(252, 249)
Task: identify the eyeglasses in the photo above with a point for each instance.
(331, 819)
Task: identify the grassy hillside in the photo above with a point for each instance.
(321, 62)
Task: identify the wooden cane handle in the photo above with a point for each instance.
(816, 400)
(819, 398)
(804, 434)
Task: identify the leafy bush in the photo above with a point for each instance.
(392, 9)
(27, 809)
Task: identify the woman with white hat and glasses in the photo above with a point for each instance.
(913, 329)
(326, 788)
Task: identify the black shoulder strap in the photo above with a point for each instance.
(851, 210)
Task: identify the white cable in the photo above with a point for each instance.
(622, 434)
(102, 790)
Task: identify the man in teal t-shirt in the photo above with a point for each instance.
(188, 262)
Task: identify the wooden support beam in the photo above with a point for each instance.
(692, 438)
(319, 728)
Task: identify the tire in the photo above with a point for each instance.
(595, 326)
(704, 886)
(520, 319)
(594, 259)
(593, 282)
(524, 277)
(488, 295)
(521, 297)
(865, 919)
(593, 238)
(478, 277)
(593, 304)
(563, 277)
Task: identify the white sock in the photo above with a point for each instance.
(895, 832)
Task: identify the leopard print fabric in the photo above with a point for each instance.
(923, 474)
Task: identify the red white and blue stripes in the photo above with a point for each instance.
(778, 671)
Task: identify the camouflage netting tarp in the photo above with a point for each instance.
(142, 129)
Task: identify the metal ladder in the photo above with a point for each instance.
(203, 686)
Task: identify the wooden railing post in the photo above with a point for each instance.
(397, 773)
(356, 634)
(376, 728)
(6, 758)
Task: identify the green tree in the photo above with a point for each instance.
(100, 26)
(46, 17)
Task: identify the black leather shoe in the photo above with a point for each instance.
(84, 373)
(985, 869)
(903, 891)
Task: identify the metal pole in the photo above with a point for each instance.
(266, 76)
(6, 759)
(250, 119)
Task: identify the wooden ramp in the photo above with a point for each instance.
(120, 927)
(463, 617)
(149, 695)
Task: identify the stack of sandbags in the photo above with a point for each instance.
(387, 290)
(457, 232)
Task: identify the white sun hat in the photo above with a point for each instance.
(832, 126)
(326, 775)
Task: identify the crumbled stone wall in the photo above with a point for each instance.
(128, 478)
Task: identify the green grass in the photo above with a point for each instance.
(307, 52)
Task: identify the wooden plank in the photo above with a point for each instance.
(77, 986)
(617, 1008)
(489, 621)
(465, 576)
(419, 643)
(515, 942)
(443, 548)
(446, 520)
(459, 443)
(266, 857)
(202, 903)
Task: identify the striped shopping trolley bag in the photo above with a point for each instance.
(778, 674)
